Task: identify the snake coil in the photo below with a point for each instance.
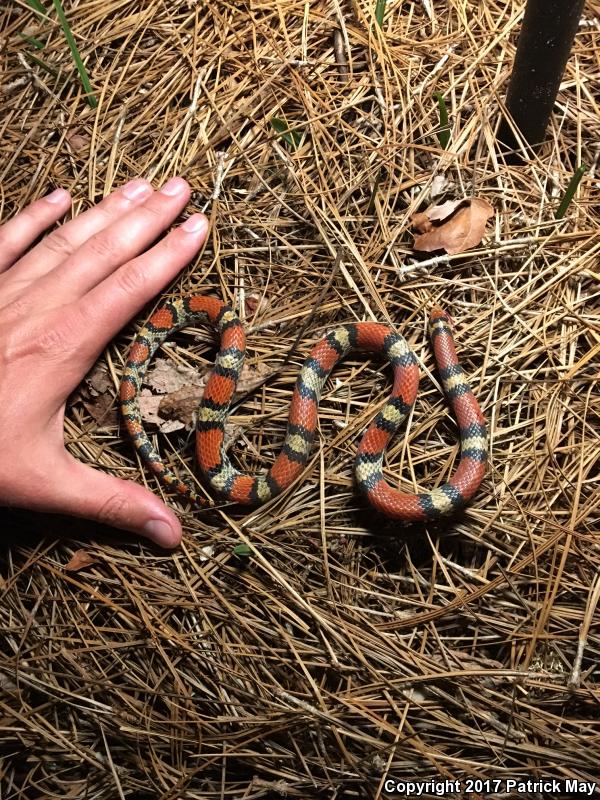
(213, 411)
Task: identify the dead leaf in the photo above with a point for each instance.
(102, 409)
(462, 225)
(169, 380)
(78, 139)
(436, 214)
(440, 184)
(99, 380)
(167, 376)
(252, 376)
(421, 222)
(255, 303)
(149, 404)
(79, 560)
(232, 434)
(182, 403)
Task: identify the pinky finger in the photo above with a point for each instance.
(22, 230)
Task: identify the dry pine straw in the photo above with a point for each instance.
(346, 649)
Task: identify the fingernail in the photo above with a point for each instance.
(173, 186)
(136, 189)
(160, 532)
(195, 223)
(57, 196)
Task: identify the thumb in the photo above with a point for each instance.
(86, 492)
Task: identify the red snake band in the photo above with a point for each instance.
(214, 410)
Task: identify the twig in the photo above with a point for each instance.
(315, 308)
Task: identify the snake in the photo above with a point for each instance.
(214, 408)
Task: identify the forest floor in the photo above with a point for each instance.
(336, 651)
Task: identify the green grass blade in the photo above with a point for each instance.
(571, 189)
(444, 127)
(85, 81)
(37, 7)
(40, 12)
(380, 12)
(46, 67)
(32, 41)
(293, 138)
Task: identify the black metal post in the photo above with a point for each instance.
(547, 33)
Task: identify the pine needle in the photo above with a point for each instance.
(347, 649)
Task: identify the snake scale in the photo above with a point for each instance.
(214, 408)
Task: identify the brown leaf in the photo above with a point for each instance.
(423, 220)
(149, 405)
(180, 404)
(79, 560)
(99, 380)
(167, 377)
(232, 434)
(102, 409)
(183, 402)
(255, 303)
(78, 139)
(462, 225)
(177, 389)
(444, 210)
(252, 377)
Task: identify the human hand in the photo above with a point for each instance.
(60, 303)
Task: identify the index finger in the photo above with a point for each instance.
(112, 303)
